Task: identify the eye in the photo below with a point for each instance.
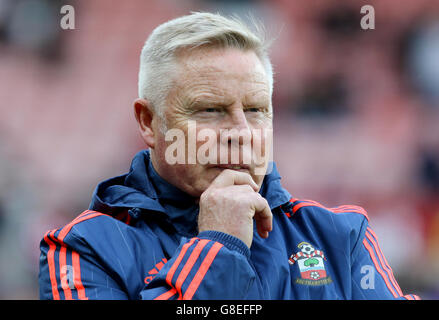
(255, 109)
(211, 110)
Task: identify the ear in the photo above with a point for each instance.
(144, 116)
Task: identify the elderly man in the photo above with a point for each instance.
(187, 227)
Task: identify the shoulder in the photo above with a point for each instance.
(88, 228)
(311, 207)
(344, 223)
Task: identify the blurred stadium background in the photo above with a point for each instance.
(356, 116)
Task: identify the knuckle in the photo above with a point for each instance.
(228, 172)
(245, 191)
(257, 197)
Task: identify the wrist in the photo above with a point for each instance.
(229, 241)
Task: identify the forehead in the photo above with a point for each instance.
(222, 73)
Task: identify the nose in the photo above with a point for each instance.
(236, 139)
(238, 121)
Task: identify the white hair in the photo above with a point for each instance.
(158, 57)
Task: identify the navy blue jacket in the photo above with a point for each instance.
(139, 240)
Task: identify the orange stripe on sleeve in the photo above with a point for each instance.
(177, 262)
(305, 204)
(199, 276)
(51, 264)
(77, 276)
(349, 208)
(377, 266)
(189, 265)
(168, 294)
(69, 226)
(63, 272)
(83, 214)
(63, 267)
(172, 270)
(340, 209)
(384, 263)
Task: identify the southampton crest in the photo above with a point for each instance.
(311, 265)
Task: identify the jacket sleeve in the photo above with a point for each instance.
(372, 276)
(213, 265)
(69, 271)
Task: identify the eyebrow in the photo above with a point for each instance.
(200, 102)
(258, 104)
(205, 102)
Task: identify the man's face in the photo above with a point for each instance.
(216, 90)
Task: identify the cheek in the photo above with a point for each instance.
(262, 139)
(160, 147)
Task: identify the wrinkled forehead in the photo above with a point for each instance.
(229, 73)
(221, 58)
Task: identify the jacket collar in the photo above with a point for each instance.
(144, 190)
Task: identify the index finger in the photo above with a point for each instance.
(263, 217)
(231, 177)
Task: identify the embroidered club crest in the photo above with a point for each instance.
(311, 265)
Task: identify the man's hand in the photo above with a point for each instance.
(230, 204)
